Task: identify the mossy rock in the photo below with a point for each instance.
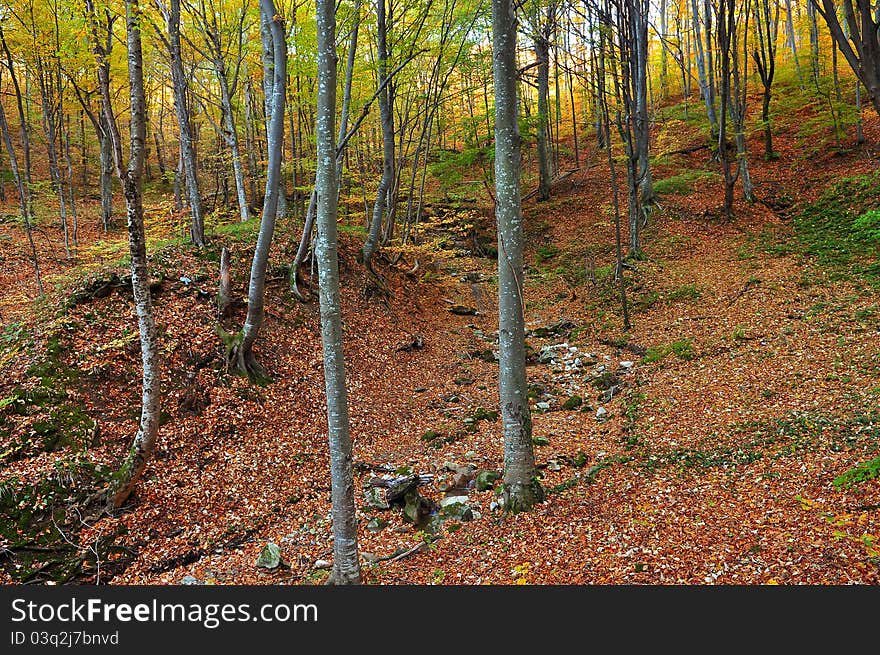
(486, 479)
(573, 402)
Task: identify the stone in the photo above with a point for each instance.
(553, 465)
(452, 500)
(376, 499)
(190, 580)
(322, 565)
(540, 441)
(543, 406)
(376, 524)
(627, 364)
(601, 413)
(270, 558)
(486, 479)
(573, 402)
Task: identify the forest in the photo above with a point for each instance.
(440, 292)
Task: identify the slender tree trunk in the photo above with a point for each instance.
(49, 113)
(23, 193)
(792, 41)
(702, 73)
(71, 191)
(643, 126)
(309, 222)
(387, 118)
(231, 138)
(542, 56)
(242, 348)
(187, 148)
(145, 440)
(521, 487)
(346, 563)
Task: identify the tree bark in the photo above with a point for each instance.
(346, 562)
(242, 348)
(542, 58)
(387, 119)
(131, 177)
(521, 487)
(21, 187)
(187, 149)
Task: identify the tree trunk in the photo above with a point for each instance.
(145, 441)
(242, 348)
(702, 74)
(20, 185)
(542, 56)
(231, 138)
(49, 116)
(346, 563)
(309, 222)
(187, 149)
(521, 487)
(387, 118)
(106, 177)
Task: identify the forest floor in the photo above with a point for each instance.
(699, 447)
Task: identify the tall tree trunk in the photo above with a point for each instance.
(187, 148)
(106, 176)
(346, 563)
(131, 177)
(21, 187)
(49, 113)
(521, 487)
(387, 118)
(231, 137)
(792, 41)
(242, 348)
(542, 57)
(702, 73)
(643, 126)
(71, 191)
(309, 222)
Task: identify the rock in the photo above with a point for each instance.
(458, 512)
(376, 524)
(453, 500)
(486, 479)
(573, 402)
(544, 406)
(375, 499)
(553, 465)
(190, 580)
(370, 558)
(471, 454)
(463, 480)
(270, 558)
(540, 441)
(627, 364)
(545, 356)
(462, 310)
(430, 435)
(601, 413)
(322, 565)
(482, 414)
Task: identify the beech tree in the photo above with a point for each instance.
(241, 345)
(132, 187)
(859, 41)
(522, 489)
(346, 562)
